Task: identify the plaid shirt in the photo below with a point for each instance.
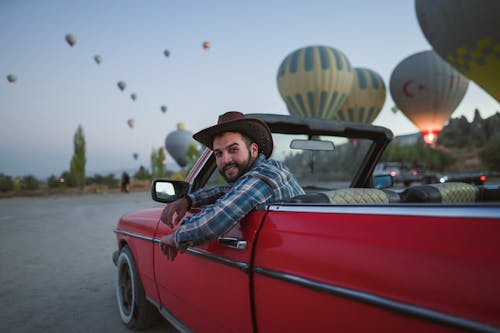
(267, 181)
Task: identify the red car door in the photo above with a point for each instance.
(207, 288)
(364, 269)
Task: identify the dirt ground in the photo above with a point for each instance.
(56, 271)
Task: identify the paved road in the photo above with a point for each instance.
(56, 272)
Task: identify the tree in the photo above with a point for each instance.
(29, 183)
(158, 159)
(77, 166)
(490, 154)
(6, 183)
(142, 174)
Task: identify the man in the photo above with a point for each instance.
(241, 147)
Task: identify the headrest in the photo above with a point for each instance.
(362, 196)
(443, 193)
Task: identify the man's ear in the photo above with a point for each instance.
(254, 149)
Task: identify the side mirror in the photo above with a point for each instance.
(382, 181)
(166, 190)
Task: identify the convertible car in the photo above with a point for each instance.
(354, 254)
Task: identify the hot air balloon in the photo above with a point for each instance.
(177, 144)
(11, 78)
(97, 59)
(314, 81)
(166, 53)
(136, 156)
(366, 98)
(133, 96)
(427, 90)
(131, 122)
(70, 39)
(121, 85)
(206, 46)
(466, 34)
(163, 108)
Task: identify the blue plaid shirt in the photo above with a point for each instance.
(267, 181)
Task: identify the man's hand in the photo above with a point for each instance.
(179, 206)
(167, 246)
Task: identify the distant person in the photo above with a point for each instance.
(125, 182)
(241, 148)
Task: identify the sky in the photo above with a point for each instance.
(61, 87)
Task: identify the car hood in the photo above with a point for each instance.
(142, 222)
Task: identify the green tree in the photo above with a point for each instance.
(77, 166)
(142, 174)
(193, 154)
(158, 169)
(29, 183)
(6, 183)
(418, 155)
(490, 154)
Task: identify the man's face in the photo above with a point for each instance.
(232, 155)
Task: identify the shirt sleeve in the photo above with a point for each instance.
(208, 195)
(229, 209)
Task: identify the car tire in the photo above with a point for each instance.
(136, 312)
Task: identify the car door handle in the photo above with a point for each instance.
(232, 242)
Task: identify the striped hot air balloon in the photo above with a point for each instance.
(465, 33)
(427, 90)
(314, 81)
(366, 99)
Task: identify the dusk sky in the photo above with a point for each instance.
(60, 87)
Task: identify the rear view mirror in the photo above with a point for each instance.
(314, 144)
(382, 181)
(165, 190)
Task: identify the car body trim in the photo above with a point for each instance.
(381, 302)
(169, 317)
(243, 266)
(438, 210)
(132, 234)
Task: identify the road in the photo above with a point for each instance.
(56, 271)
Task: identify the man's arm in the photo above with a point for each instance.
(229, 209)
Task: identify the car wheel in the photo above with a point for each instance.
(135, 310)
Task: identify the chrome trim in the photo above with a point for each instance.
(381, 302)
(179, 325)
(243, 266)
(438, 210)
(131, 234)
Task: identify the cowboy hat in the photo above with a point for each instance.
(234, 121)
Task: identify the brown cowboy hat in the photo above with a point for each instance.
(234, 121)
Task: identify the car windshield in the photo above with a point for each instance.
(321, 169)
(329, 163)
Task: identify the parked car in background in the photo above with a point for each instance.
(350, 255)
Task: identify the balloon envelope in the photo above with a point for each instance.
(135, 155)
(427, 90)
(70, 39)
(177, 144)
(11, 78)
(131, 122)
(366, 98)
(133, 96)
(121, 85)
(314, 81)
(97, 59)
(465, 33)
(163, 108)
(206, 46)
(166, 53)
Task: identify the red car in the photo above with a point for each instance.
(351, 255)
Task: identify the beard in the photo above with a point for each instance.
(232, 171)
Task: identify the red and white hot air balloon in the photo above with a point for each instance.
(427, 90)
